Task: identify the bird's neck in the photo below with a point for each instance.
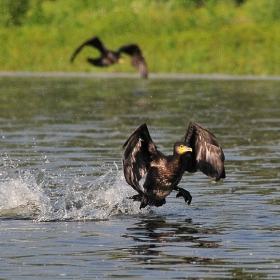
(179, 160)
(175, 159)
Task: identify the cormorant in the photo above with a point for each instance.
(199, 150)
(109, 57)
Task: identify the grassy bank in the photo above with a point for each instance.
(176, 36)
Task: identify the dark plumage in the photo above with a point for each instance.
(199, 150)
(109, 57)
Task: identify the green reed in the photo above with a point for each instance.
(176, 36)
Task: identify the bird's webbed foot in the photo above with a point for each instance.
(146, 200)
(142, 198)
(186, 194)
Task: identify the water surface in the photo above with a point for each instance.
(64, 211)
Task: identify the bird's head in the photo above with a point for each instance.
(181, 148)
(120, 60)
(118, 57)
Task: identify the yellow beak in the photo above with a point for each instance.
(184, 149)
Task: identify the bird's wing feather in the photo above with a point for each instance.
(97, 61)
(139, 150)
(207, 155)
(137, 59)
(93, 42)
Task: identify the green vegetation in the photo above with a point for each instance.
(239, 37)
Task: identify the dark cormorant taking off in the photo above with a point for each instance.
(109, 57)
(199, 150)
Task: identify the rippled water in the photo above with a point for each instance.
(64, 211)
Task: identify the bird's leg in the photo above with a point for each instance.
(186, 194)
(143, 198)
(136, 197)
(146, 200)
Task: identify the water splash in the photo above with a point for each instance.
(104, 197)
(27, 195)
(22, 197)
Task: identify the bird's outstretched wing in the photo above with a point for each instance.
(139, 150)
(93, 42)
(207, 155)
(97, 61)
(137, 59)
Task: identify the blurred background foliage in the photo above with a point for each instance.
(239, 37)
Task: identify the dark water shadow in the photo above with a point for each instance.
(164, 243)
(159, 239)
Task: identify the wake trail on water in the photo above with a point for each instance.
(28, 194)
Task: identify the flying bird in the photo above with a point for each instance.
(199, 150)
(109, 57)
